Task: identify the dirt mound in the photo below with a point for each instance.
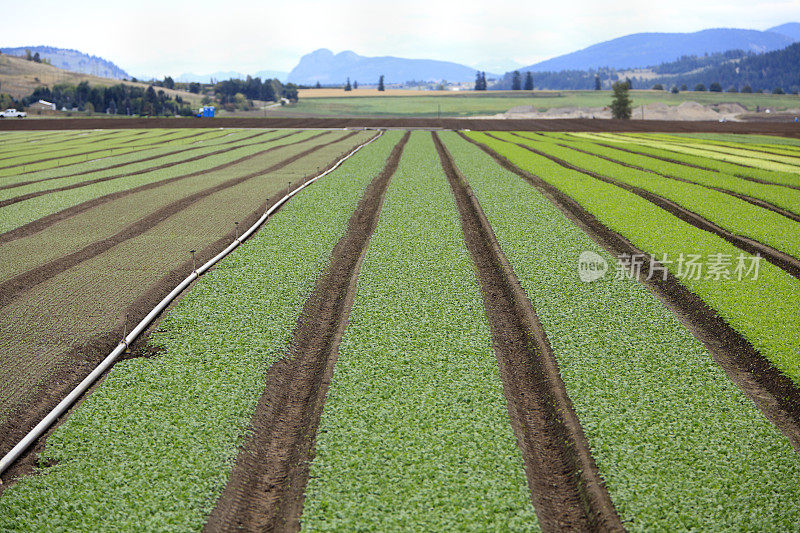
(686, 111)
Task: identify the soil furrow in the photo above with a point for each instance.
(266, 487)
(782, 260)
(45, 222)
(749, 199)
(10, 201)
(143, 160)
(565, 484)
(86, 354)
(772, 392)
(14, 287)
(684, 163)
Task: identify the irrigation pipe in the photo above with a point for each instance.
(87, 382)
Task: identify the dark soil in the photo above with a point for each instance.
(772, 392)
(45, 222)
(782, 260)
(786, 129)
(266, 488)
(566, 487)
(86, 355)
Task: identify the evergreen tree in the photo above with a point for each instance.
(516, 81)
(597, 84)
(318, 86)
(347, 86)
(715, 87)
(621, 103)
(355, 84)
(629, 83)
(480, 81)
(699, 87)
(169, 83)
(381, 87)
(528, 81)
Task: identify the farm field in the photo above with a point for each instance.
(453, 330)
(470, 103)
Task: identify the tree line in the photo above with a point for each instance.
(120, 99)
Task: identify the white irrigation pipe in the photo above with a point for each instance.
(84, 385)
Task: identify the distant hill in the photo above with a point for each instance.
(228, 75)
(72, 60)
(791, 30)
(325, 67)
(645, 49)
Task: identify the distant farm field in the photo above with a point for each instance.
(452, 330)
(331, 102)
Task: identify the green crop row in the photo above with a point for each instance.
(415, 434)
(764, 151)
(60, 140)
(765, 310)
(21, 213)
(725, 150)
(783, 197)
(728, 212)
(678, 444)
(135, 164)
(780, 174)
(152, 448)
(101, 164)
(766, 141)
(82, 152)
(80, 146)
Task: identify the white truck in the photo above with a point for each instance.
(13, 113)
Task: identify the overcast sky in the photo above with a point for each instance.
(155, 38)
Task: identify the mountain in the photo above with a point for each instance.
(228, 75)
(791, 30)
(72, 60)
(326, 68)
(645, 49)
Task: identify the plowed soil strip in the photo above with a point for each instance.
(4, 203)
(47, 221)
(17, 285)
(565, 484)
(749, 199)
(143, 160)
(772, 392)
(782, 260)
(265, 490)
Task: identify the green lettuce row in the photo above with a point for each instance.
(766, 310)
(731, 213)
(679, 445)
(21, 213)
(415, 434)
(134, 166)
(151, 449)
(781, 176)
(788, 199)
(102, 164)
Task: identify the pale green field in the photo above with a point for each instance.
(492, 102)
